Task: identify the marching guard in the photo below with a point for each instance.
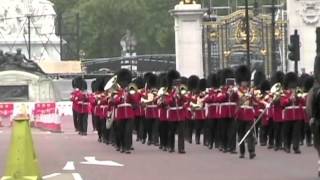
(122, 102)
(245, 112)
(175, 102)
(293, 114)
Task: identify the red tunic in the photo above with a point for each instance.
(83, 101)
(246, 111)
(228, 103)
(293, 110)
(213, 100)
(122, 102)
(151, 109)
(75, 99)
(176, 106)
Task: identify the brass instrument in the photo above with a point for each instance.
(277, 91)
(133, 89)
(199, 103)
(182, 90)
(150, 97)
(112, 85)
(299, 93)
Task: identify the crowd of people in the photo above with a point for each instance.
(227, 109)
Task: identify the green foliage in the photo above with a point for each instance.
(104, 22)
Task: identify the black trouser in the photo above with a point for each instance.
(179, 127)
(315, 128)
(212, 132)
(103, 132)
(147, 129)
(266, 134)
(278, 134)
(232, 135)
(308, 133)
(224, 132)
(291, 134)
(83, 122)
(138, 127)
(75, 120)
(123, 134)
(243, 127)
(199, 127)
(189, 129)
(94, 122)
(155, 132)
(163, 129)
(99, 127)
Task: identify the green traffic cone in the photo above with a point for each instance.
(22, 163)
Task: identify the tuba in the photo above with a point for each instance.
(277, 90)
(112, 85)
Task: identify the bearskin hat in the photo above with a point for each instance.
(163, 82)
(193, 82)
(73, 84)
(84, 85)
(213, 81)
(147, 75)
(184, 80)
(202, 85)
(172, 76)
(77, 82)
(124, 77)
(139, 81)
(151, 80)
(258, 78)
(290, 80)
(277, 77)
(225, 74)
(243, 74)
(308, 83)
(94, 86)
(265, 86)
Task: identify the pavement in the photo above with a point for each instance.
(67, 156)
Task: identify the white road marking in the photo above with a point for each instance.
(76, 176)
(51, 175)
(69, 166)
(92, 161)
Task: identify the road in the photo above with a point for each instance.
(149, 163)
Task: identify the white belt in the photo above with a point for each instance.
(246, 107)
(152, 106)
(228, 104)
(213, 104)
(124, 105)
(292, 107)
(175, 108)
(83, 103)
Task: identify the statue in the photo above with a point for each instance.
(18, 61)
(128, 43)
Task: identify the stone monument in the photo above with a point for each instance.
(188, 38)
(304, 15)
(15, 16)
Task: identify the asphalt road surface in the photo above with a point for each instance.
(62, 156)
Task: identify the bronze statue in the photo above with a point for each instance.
(18, 61)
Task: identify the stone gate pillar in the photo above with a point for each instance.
(188, 39)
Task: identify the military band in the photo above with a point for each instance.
(222, 109)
